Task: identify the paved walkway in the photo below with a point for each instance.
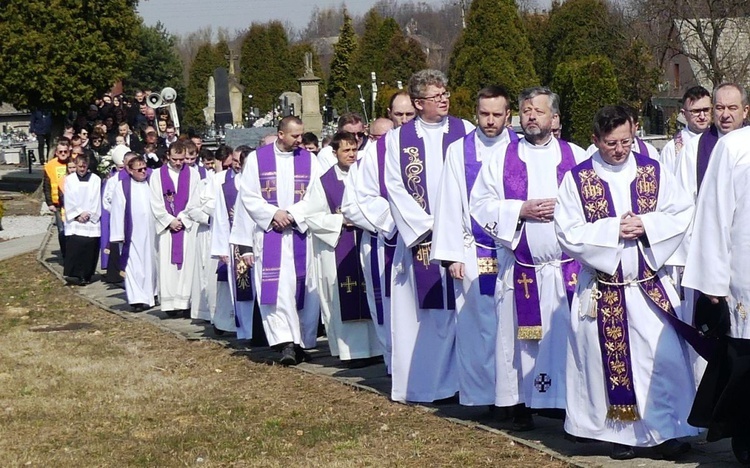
(548, 437)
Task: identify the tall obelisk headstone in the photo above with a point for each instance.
(311, 116)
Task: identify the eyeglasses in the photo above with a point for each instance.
(62, 151)
(84, 133)
(698, 112)
(140, 169)
(613, 144)
(360, 135)
(437, 97)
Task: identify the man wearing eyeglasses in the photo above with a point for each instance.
(422, 293)
(53, 186)
(696, 110)
(350, 122)
(513, 201)
(628, 379)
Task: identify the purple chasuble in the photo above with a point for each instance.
(269, 291)
(525, 281)
(705, 146)
(427, 275)
(175, 201)
(612, 317)
(349, 274)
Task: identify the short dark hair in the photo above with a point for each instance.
(137, 158)
(343, 136)
(609, 118)
(493, 91)
(695, 93)
(82, 157)
(350, 118)
(206, 154)
(310, 137)
(221, 153)
(178, 147)
(289, 119)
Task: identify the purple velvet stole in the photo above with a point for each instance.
(512, 135)
(525, 281)
(104, 243)
(612, 318)
(705, 146)
(272, 240)
(243, 287)
(127, 222)
(349, 274)
(485, 245)
(175, 202)
(642, 148)
(201, 171)
(389, 244)
(427, 275)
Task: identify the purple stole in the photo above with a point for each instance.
(642, 148)
(525, 282)
(612, 318)
(243, 287)
(705, 146)
(175, 201)
(349, 275)
(201, 171)
(427, 275)
(127, 183)
(121, 174)
(269, 281)
(485, 245)
(389, 249)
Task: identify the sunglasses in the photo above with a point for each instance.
(140, 169)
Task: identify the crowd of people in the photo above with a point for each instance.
(605, 286)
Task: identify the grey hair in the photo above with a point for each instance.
(531, 93)
(424, 78)
(727, 84)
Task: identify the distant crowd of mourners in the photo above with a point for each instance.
(605, 286)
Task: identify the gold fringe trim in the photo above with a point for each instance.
(122, 273)
(106, 251)
(623, 413)
(530, 333)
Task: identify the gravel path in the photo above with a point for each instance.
(22, 226)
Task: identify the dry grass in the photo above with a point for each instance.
(115, 392)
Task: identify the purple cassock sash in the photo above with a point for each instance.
(175, 202)
(705, 146)
(349, 275)
(525, 281)
(243, 287)
(642, 148)
(612, 317)
(485, 245)
(272, 240)
(389, 244)
(427, 275)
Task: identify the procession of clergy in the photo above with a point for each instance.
(522, 273)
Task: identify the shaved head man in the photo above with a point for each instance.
(401, 110)
(379, 127)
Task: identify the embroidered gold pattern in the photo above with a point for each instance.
(592, 189)
(423, 254)
(741, 311)
(348, 284)
(525, 281)
(487, 265)
(413, 172)
(241, 270)
(616, 348)
(646, 188)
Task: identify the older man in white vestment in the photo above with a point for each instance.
(349, 122)
(629, 378)
(696, 110)
(513, 200)
(366, 205)
(132, 224)
(272, 186)
(173, 186)
(424, 329)
(341, 278)
(468, 251)
(718, 263)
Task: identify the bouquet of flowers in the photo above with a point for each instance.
(106, 166)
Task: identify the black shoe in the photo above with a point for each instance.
(622, 452)
(137, 307)
(741, 449)
(288, 356)
(523, 423)
(500, 413)
(673, 448)
(578, 440)
(451, 400)
(217, 332)
(173, 313)
(301, 355)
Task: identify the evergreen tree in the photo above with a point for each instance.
(493, 49)
(207, 59)
(343, 51)
(584, 85)
(60, 55)
(157, 64)
(403, 57)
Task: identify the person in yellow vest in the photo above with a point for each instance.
(55, 171)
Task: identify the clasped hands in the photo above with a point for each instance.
(282, 220)
(176, 225)
(631, 226)
(83, 217)
(538, 209)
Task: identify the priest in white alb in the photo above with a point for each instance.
(469, 252)
(83, 210)
(513, 199)
(629, 376)
(696, 110)
(423, 322)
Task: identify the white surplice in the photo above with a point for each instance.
(366, 208)
(282, 322)
(424, 340)
(348, 340)
(175, 284)
(520, 362)
(718, 260)
(200, 210)
(453, 241)
(660, 365)
(140, 271)
(80, 197)
(669, 155)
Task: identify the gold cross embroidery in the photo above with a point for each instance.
(348, 284)
(525, 281)
(268, 189)
(573, 280)
(301, 191)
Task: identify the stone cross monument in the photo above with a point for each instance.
(311, 116)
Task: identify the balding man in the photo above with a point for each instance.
(400, 109)
(272, 186)
(379, 127)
